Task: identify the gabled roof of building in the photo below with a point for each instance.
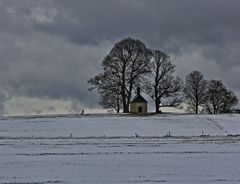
(138, 98)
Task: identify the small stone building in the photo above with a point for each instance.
(138, 105)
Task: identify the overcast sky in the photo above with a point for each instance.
(50, 48)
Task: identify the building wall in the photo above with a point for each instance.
(134, 107)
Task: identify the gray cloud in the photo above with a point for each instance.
(50, 48)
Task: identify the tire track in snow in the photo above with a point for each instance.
(217, 126)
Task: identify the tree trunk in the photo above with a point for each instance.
(124, 99)
(157, 100)
(197, 102)
(157, 106)
(125, 108)
(214, 109)
(118, 109)
(196, 109)
(129, 98)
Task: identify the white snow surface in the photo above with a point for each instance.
(120, 149)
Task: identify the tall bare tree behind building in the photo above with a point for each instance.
(195, 91)
(162, 83)
(123, 69)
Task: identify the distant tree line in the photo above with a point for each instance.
(130, 64)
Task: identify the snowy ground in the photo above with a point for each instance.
(117, 149)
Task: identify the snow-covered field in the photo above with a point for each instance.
(120, 149)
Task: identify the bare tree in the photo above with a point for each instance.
(109, 100)
(108, 89)
(219, 98)
(195, 91)
(162, 83)
(125, 66)
(229, 101)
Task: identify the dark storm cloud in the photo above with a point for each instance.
(155, 21)
(50, 48)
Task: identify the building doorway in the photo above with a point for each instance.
(139, 109)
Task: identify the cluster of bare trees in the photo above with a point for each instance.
(211, 96)
(130, 64)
